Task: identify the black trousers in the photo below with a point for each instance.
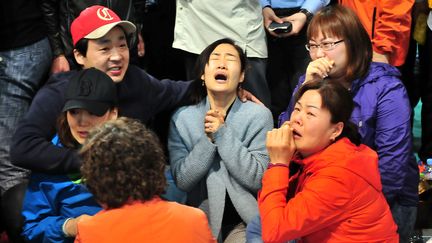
(287, 61)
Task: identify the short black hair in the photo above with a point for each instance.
(82, 45)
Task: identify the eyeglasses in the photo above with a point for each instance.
(325, 46)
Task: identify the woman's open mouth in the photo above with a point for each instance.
(296, 134)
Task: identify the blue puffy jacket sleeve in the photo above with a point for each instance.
(49, 201)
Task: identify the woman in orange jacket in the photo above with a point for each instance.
(123, 166)
(336, 195)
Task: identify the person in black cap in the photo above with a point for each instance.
(53, 204)
(90, 100)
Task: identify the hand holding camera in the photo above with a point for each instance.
(280, 28)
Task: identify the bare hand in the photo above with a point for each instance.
(268, 17)
(280, 145)
(376, 57)
(318, 69)
(71, 225)
(298, 20)
(245, 95)
(60, 64)
(214, 119)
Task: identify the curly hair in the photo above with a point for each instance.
(123, 161)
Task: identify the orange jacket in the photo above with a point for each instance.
(388, 23)
(338, 198)
(152, 221)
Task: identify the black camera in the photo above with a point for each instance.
(277, 28)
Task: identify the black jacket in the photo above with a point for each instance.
(20, 24)
(59, 14)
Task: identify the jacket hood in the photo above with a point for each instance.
(360, 160)
(377, 70)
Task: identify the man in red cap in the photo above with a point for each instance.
(58, 17)
(100, 39)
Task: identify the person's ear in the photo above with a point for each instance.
(113, 113)
(242, 76)
(337, 130)
(79, 57)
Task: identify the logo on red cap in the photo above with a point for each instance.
(95, 21)
(103, 13)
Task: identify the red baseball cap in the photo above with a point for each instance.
(95, 21)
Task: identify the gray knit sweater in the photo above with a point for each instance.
(234, 163)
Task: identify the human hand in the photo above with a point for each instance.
(268, 17)
(280, 144)
(318, 69)
(213, 120)
(376, 57)
(298, 20)
(141, 45)
(71, 228)
(245, 95)
(59, 64)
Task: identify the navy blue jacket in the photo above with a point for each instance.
(140, 95)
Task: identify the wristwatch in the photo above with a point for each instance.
(308, 14)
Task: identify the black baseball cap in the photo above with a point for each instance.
(92, 90)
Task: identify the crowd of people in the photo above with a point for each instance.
(299, 135)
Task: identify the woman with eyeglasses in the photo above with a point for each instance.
(341, 52)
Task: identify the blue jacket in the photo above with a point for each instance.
(382, 114)
(49, 201)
